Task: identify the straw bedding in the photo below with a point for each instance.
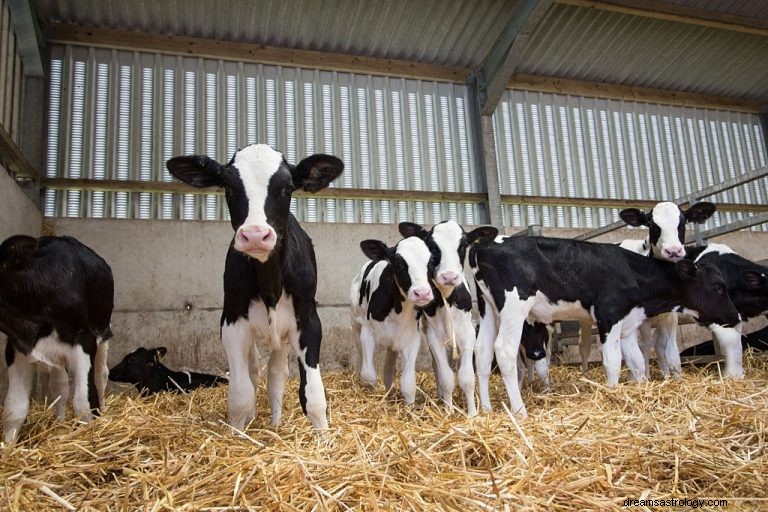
(582, 447)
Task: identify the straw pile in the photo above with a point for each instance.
(582, 447)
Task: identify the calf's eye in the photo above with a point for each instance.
(719, 289)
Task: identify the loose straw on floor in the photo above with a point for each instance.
(583, 446)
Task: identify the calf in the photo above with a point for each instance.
(56, 299)
(666, 234)
(532, 359)
(143, 369)
(449, 317)
(548, 279)
(384, 298)
(747, 285)
(270, 275)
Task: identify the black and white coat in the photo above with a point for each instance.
(385, 297)
(548, 279)
(747, 284)
(56, 300)
(666, 235)
(270, 275)
(449, 318)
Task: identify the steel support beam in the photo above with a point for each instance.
(499, 65)
(28, 37)
(484, 155)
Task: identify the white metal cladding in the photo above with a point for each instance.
(11, 75)
(121, 115)
(566, 146)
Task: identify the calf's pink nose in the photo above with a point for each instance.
(449, 277)
(422, 294)
(674, 252)
(255, 237)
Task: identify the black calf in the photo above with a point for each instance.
(143, 369)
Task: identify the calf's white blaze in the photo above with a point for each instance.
(666, 215)
(447, 236)
(256, 164)
(417, 256)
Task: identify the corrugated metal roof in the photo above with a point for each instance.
(747, 8)
(571, 42)
(446, 32)
(603, 46)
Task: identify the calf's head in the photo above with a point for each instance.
(448, 243)
(666, 224)
(534, 340)
(411, 263)
(705, 291)
(258, 184)
(138, 366)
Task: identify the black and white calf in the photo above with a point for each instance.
(143, 369)
(547, 279)
(449, 317)
(384, 298)
(666, 234)
(747, 284)
(56, 299)
(270, 275)
(533, 358)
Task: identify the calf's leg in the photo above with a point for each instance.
(729, 339)
(58, 390)
(484, 356)
(16, 405)
(311, 388)
(237, 339)
(507, 345)
(277, 376)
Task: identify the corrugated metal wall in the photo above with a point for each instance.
(565, 146)
(121, 115)
(11, 75)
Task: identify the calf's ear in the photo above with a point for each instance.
(482, 237)
(196, 170)
(753, 279)
(375, 250)
(686, 269)
(634, 217)
(160, 353)
(700, 212)
(408, 229)
(316, 172)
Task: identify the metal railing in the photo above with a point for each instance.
(728, 184)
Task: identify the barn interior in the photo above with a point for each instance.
(539, 116)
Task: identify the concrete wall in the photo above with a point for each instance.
(168, 282)
(18, 215)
